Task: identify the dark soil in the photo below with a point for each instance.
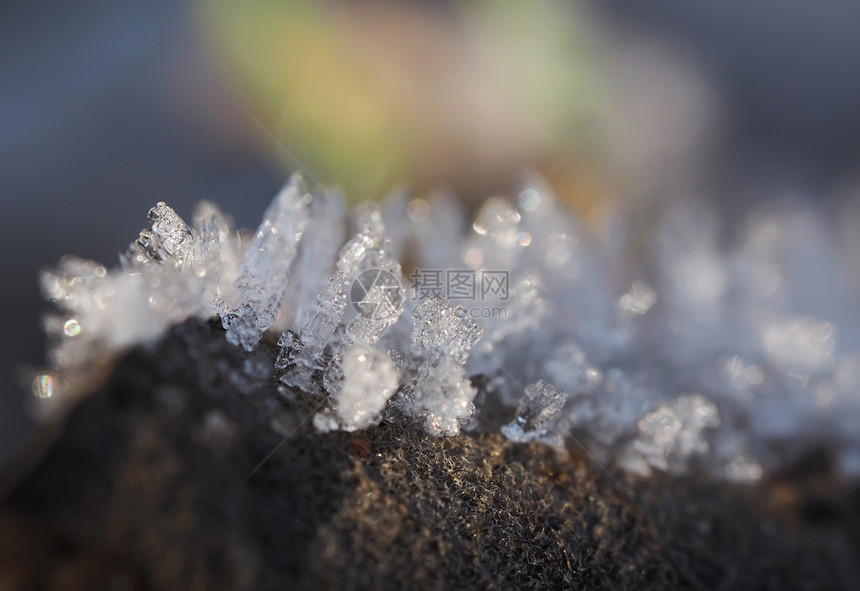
(166, 480)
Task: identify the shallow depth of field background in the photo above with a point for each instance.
(107, 108)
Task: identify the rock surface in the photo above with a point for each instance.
(183, 474)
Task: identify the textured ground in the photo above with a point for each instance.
(148, 487)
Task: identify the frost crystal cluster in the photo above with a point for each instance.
(666, 350)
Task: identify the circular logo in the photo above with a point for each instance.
(376, 294)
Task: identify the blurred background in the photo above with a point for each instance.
(107, 108)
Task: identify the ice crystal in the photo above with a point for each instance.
(442, 398)
(377, 296)
(168, 274)
(611, 331)
(167, 240)
(291, 345)
(265, 270)
(439, 392)
(363, 379)
(672, 435)
(369, 249)
(441, 328)
(301, 353)
(374, 276)
(315, 262)
(539, 411)
(216, 255)
(74, 285)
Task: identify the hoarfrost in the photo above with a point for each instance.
(763, 329)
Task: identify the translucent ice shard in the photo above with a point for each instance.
(671, 435)
(538, 414)
(374, 276)
(216, 255)
(369, 249)
(291, 345)
(441, 331)
(362, 380)
(167, 240)
(301, 353)
(117, 309)
(556, 240)
(322, 319)
(377, 297)
(443, 399)
(315, 261)
(204, 254)
(265, 270)
(441, 328)
(440, 392)
(369, 276)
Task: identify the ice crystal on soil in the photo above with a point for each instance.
(539, 410)
(265, 271)
(362, 381)
(688, 352)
